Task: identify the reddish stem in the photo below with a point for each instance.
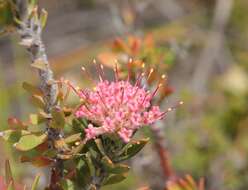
(163, 154)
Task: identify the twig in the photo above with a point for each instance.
(30, 31)
(162, 152)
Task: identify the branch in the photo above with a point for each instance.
(30, 31)
(162, 152)
(30, 34)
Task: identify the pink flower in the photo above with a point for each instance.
(117, 107)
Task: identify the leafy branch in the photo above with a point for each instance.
(29, 23)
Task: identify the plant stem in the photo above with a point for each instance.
(30, 32)
(163, 153)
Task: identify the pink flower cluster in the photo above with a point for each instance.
(117, 107)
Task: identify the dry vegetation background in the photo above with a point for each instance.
(207, 68)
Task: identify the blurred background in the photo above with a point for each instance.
(202, 45)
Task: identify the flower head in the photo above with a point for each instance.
(117, 107)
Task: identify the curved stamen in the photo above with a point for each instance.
(171, 108)
(116, 71)
(88, 75)
(99, 70)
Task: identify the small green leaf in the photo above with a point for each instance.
(28, 142)
(77, 149)
(35, 183)
(32, 89)
(38, 101)
(100, 146)
(8, 173)
(107, 162)
(11, 186)
(33, 119)
(78, 127)
(58, 118)
(18, 21)
(36, 119)
(119, 169)
(131, 149)
(83, 122)
(33, 2)
(83, 176)
(114, 168)
(73, 138)
(43, 18)
(113, 179)
(67, 185)
(13, 135)
(39, 64)
(90, 164)
(136, 146)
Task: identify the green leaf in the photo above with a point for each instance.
(36, 119)
(58, 118)
(35, 183)
(33, 2)
(31, 6)
(83, 122)
(67, 185)
(83, 176)
(113, 179)
(33, 119)
(39, 64)
(43, 18)
(131, 149)
(77, 149)
(8, 173)
(78, 127)
(119, 169)
(73, 138)
(90, 164)
(114, 168)
(28, 142)
(107, 162)
(13, 135)
(136, 146)
(11, 186)
(32, 89)
(38, 101)
(17, 21)
(100, 146)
